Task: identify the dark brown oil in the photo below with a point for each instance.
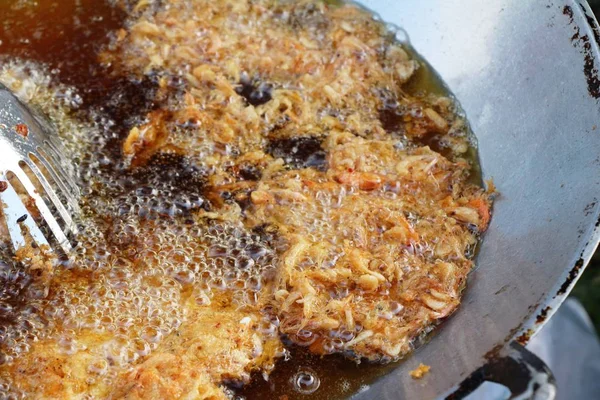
(426, 80)
(66, 35)
(338, 377)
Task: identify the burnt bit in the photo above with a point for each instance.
(22, 129)
(22, 218)
(3, 186)
(573, 274)
(589, 209)
(568, 11)
(523, 338)
(543, 315)
(590, 69)
(228, 194)
(250, 173)
(300, 152)
(501, 290)
(242, 198)
(592, 22)
(247, 172)
(254, 91)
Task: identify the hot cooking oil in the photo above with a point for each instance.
(158, 252)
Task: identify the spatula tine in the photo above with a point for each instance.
(26, 140)
(15, 214)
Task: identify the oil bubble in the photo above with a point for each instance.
(305, 381)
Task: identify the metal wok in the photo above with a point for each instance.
(526, 74)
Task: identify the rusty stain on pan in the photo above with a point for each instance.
(543, 315)
(573, 274)
(589, 65)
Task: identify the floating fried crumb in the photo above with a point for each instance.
(490, 187)
(420, 371)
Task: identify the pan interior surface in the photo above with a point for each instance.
(526, 76)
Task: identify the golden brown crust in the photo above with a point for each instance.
(216, 345)
(219, 343)
(53, 369)
(167, 376)
(324, 70)
(373, 256)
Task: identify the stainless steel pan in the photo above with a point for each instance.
(526, 74)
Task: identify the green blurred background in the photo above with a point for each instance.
(587, 289)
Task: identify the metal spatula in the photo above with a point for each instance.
(38, 195)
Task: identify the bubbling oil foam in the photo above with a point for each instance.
(141, 254)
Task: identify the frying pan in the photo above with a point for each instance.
(526, 74)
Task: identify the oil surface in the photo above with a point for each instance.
(67, 36)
